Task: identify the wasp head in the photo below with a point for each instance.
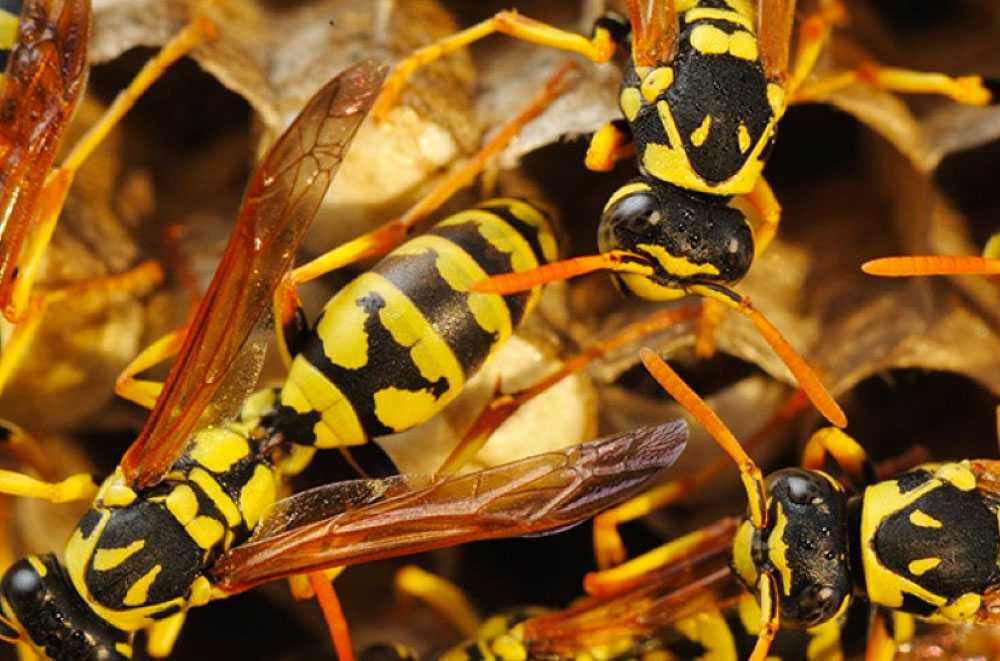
(40, 607)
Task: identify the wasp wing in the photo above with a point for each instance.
(278, 205)
(45, 77)
(654, 31)
(774, 30)
(352, 522)
(640, 615)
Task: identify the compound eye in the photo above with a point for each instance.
(817, 604)
(803, 490)
(23, 582)
(629, 221)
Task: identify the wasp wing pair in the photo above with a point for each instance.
(350, 522)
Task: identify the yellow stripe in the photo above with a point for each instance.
(105, 559)
(257, 494)
(139, 592)
(307, 389)
(182, 504)
(718, 15)
(214, 491)
(218, 449)
(531, 215)
(205, 531)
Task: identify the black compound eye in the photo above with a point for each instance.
(629, 221)
(803, 490)
(23, 582)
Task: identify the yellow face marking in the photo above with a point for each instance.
(710, 14)
(38, 565)
(306, 390)
(183, 504)
(743, 45)
(205, 531)
(218, 449)
(655, 82)
(630, 102)
(8, 29)
(709, 40)
(105, 559)
(924, 520)
(742, 559)
(257, 494)
(700, 134)
(743, 137)
(215, 493)
(648, 290)
(923, 565)
(139, 591)
(674, 265)
(777, 549)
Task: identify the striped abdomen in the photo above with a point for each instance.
(397, 344)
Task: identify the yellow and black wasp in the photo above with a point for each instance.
(922, 543)
(190, 514)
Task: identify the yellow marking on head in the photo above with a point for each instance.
(307, 390)
(709, 40)
(214, 491)
(297, 459)
(257, 494)
(700, 134)
(743, 137)
(259, 403)
(205, 531)
(630, 101)
(506, 647)
(627, 189)
(218, 448)
(710, 14)
(649, 290)
(139, 591)
(777, 549)
(923, 565)
(38, 565)
(124, 649)
(743, 45)
(679, 266)
(962, 609)
(742, 558)
(776, 98)
(655, 82)
(182, 503)
(924, 520)
(105, 559)
(958, 474)
(8, 29)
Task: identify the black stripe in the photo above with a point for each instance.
(494, 262)
(527, 230)
(446, 309)
(389, 365)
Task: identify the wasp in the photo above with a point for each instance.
(190, 514)
(44, 45)
(921, 543)
(705, 83)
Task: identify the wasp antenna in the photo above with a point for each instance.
(750, 473)
(901, 267)
(796, 364)
(510, 283)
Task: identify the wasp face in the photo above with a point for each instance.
(804, 546)
(685, 237)
(41, 607)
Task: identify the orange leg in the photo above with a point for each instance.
(383, 239)
(144, 392)
(333, 614)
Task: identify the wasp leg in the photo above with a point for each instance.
(76, 487)
(609, 144)
(442, 595)
(844, 450)
(61, 178)
(287, 309)
(598, 48)
(137, 280)
(770, 616)
(144, 392)
(333, 614)
(609, 549)
(814, 34)
(161, 636)
(301, 587)
(712, 314)
(715, 537)
(504, 406)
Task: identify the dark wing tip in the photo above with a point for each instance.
(644, 449)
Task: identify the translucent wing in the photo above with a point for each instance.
(45, 76)
(654, 31)
(278, 205)
(639, 613)
(352, 522)
(774, 29)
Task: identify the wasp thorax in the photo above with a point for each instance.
(804, 545)
(39, 599)
(686, 237)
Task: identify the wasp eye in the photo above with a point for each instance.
(626, 222)
(803, 490)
